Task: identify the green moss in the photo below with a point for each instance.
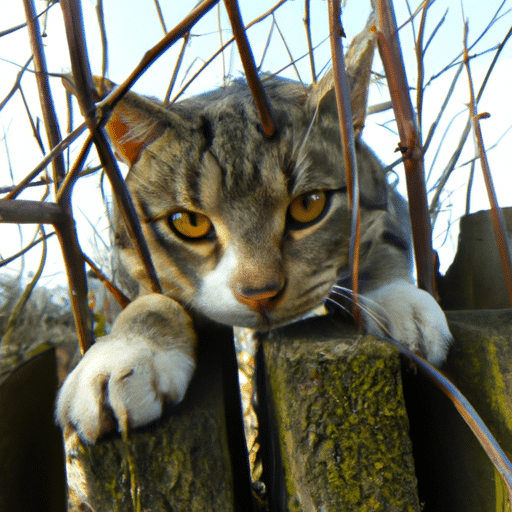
(343, 426)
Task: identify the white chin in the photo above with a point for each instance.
(235, 318)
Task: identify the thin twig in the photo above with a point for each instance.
(342, 92)
(222, 48)
(16, 191)
(104, 40)
(496, 215)
(456, 154)
(290, 56)
(186, 39)
(251, 74)
(47, 105)
(307, 26)
(16, 85)
(17, 255)
(22, 302)
(34, 125)
(160, 15)
(154, 53)
(420, 64)
(267, 42)
(64, 194)
(23, 25)
(120, 297)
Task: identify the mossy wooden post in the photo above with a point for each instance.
(475, 278)
(453, 471)
(182, 462)
(337, 420)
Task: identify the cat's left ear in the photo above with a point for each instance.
(135, 122)
(358, 60)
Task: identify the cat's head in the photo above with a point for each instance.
(246, 230)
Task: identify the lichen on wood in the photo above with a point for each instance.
(339, 418)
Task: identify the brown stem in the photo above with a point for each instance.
(174, 77)
(47, 107)
(75, 271)
(342, 92)
(16, 85)
(498, 222)
(29, 212)
(84, 92)
(22, 302)
(44, 162)
(410, 143)
(39, 212)
(251, 74)
(120, 297)
(154, 53)
(307, 26)
(224, 46)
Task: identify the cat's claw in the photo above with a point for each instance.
(121, 381)
(409, 316)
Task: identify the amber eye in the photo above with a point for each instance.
(308, 207)
(191, 224)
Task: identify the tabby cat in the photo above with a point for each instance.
(245, 231)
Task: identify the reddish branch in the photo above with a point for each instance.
(498, 222)
(47, 107)
(342, 92)
(410, 143)
(249, 65)
(84, 90)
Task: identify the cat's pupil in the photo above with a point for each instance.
(193, 220)
(308, 200)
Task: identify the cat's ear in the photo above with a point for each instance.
(135, 122)
(358, 61)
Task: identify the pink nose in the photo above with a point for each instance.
(259, 299)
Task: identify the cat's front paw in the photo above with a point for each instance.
(409, 316)
(121, 383)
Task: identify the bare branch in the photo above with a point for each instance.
(307, 26)
(253, 80)
(47, 106)
(20, 306)
(30, 212)
(160, 16)
(222, 48)
(16, 85)
(103, 34)
(83, 88)
(120, 297)
(342, 92)
(496, 215)
(410, 145)
(57, 150)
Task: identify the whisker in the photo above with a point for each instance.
(364, 303)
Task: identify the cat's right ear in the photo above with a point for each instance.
(135, 122)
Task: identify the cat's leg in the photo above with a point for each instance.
(393, 306)
(125, 377)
